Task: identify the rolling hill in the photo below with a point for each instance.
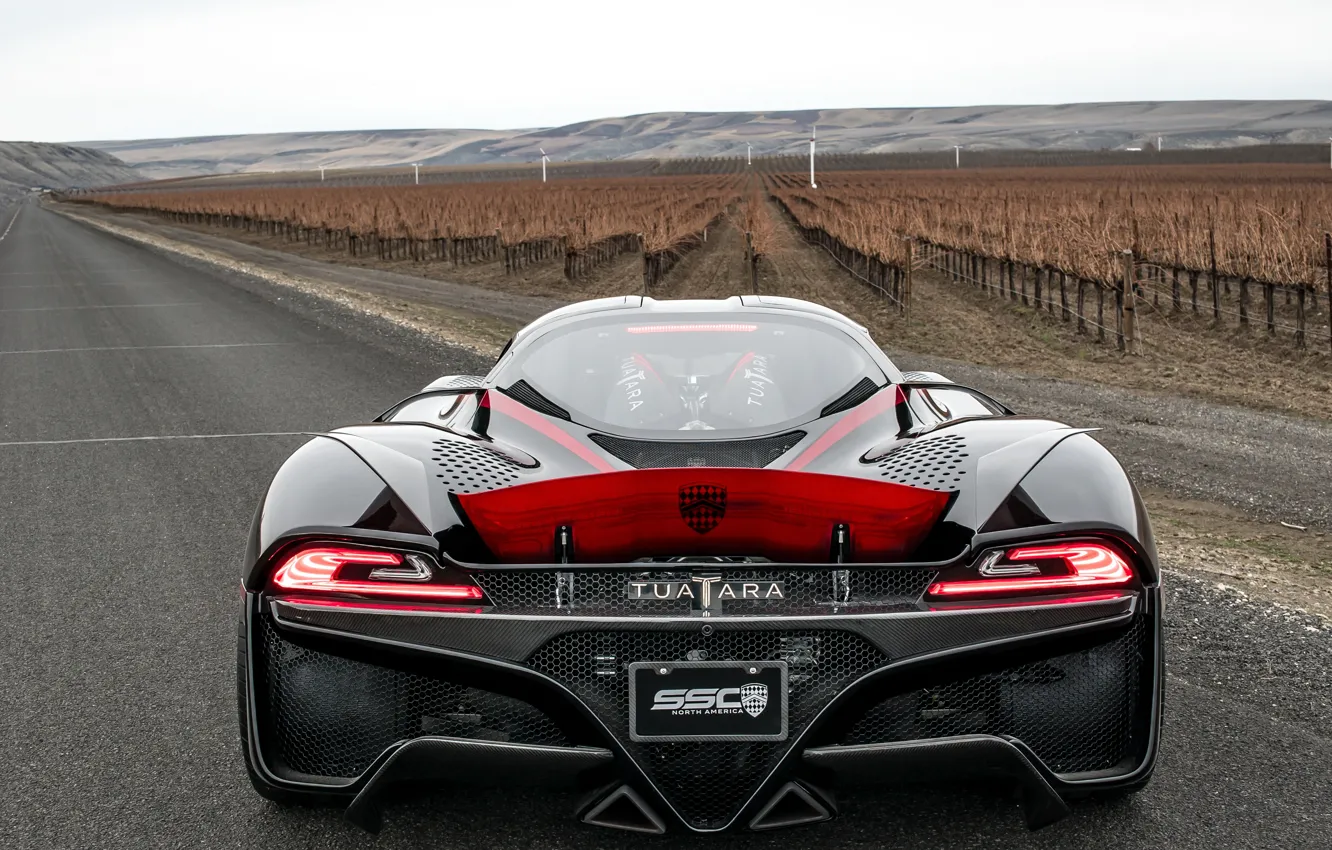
(1079, 126)
(30, 165)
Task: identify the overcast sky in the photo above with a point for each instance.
(123, 69)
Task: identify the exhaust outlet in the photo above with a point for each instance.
(624, 809)
(793, 805)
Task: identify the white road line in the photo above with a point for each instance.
(11, 223)
(9, 287)
(159, 438)
(81, 271)
(99, 307)
(149, 347)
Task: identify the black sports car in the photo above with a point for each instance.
(709, 562)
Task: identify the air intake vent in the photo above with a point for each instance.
(852, 397)
(660, 454)
(934, 463)
(523, 392)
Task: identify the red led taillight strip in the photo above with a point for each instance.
(316, 570)
(1089, 566)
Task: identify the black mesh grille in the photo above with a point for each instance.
(333, 716)
(707, 783)
(606, 591)
(1075, 711)
(932, 462)
(852, 397)
(523, 392)
(469, 468)
(658, 454)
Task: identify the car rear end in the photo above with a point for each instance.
(701, 693)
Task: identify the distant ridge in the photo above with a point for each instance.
(1074, 126)
(33, 165)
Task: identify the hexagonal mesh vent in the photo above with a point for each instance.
(932, 462)
(469, 468)
(707, 783)
(1075, 711)
(333, 716)
(660, 454)
(605, 592)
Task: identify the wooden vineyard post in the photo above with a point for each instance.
(1269, 295)
(642, 248)
(1130, 340)
(1216, 284)
(751, 262)
(1082, 316)
(1100, 312)
(1299, 319)
(906, 286)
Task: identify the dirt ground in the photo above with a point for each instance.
(1292, 566)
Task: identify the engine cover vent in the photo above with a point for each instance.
(522, 391)
(852, 397)
(661, 454)
(934, 463)
(469, 468)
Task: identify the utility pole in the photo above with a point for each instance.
(957, 156)
(813, 132)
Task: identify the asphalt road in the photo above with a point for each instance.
(145, 402)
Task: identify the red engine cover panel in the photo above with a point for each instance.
(774, 513)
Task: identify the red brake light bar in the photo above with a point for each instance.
(390, 575)
(1086, 566)
(729, 327)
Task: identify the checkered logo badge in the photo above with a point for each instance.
(702, 506)
(754, 698)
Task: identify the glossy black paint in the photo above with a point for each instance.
(1022, 479)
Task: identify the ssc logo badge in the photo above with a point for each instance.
(754, 698)
(702, 506)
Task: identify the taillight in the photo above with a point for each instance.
(366, 572)
(1039, 569)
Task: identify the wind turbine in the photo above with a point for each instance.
(749, 154)
(813, 131)
(416, 167)
(544, 160)
(321, 174)
(957, 156)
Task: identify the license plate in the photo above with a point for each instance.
(707, 701)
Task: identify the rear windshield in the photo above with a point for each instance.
(688, 372)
